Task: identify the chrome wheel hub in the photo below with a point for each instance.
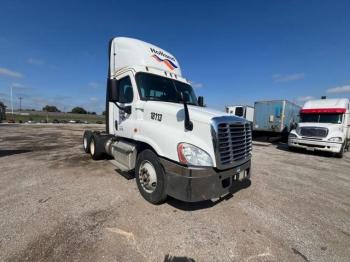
(148, 177)
(85, 142)
(92, 148)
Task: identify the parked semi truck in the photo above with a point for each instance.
(324, 126)
(275, 118)
(158, 128)
(244, 111)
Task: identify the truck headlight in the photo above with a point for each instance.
(335, 139)
(291, 135)
(192, 155)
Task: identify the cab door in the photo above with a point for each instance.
(125, 122)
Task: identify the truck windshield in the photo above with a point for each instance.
(322, 118)
(158, 88)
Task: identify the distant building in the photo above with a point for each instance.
(2, 111)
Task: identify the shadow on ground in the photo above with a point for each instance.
(13, 152)
(169, 258)
(284, 147)
(193, 206)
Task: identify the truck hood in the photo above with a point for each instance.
(333, 129)
(161, 125)
(197, 114)
(325, 125)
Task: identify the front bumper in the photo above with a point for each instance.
(197, 184)
(313, 145)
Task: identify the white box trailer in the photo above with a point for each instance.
(324, 126)
(244, 111)
(157, 127)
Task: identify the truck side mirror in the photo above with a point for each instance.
(113, 89)
(201, 101)
(127, 109)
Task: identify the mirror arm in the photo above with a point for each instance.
(188, 122)
(125, 108)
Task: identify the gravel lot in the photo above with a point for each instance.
(56, 204)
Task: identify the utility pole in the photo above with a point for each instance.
(20, 103)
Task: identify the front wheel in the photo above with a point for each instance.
(342, 151)
(150, 177)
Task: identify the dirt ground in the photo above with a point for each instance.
(57, 204)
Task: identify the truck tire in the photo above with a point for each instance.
(150, 177)
(292, 148)
(86, 141)
(95, 148)
(341, 152)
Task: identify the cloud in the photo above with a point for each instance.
(94, 85)
(93, 99)
(10, 73)
(339, 89)
(17, 85)
(196, 85)
(278, 78)
(305, 98)
(19, 88)
(35, 61)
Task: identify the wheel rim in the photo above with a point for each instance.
(148, 176)
(85, 142)
(92, 147)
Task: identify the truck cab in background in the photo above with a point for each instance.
(324, 126)
(245, 111)
(157, 128)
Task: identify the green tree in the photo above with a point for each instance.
(48, 108)
(79, 110)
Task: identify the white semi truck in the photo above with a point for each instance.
(324, 126)
(156, 127)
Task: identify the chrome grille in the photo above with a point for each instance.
(234, 142)
(314, 131)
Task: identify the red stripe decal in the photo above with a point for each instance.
(168, 64)
(322, 110)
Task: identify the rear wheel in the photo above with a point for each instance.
(95, 153)
(150, 177)
(86, 141)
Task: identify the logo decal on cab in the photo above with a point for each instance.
(167, 62)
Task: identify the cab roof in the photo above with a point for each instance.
(327, 103)
(129, 52)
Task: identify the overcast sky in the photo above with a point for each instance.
(55, 52)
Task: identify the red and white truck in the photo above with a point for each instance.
(324, 126)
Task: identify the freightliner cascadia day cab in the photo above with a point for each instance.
(156, 127)
(324, 126)
(246, 112)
